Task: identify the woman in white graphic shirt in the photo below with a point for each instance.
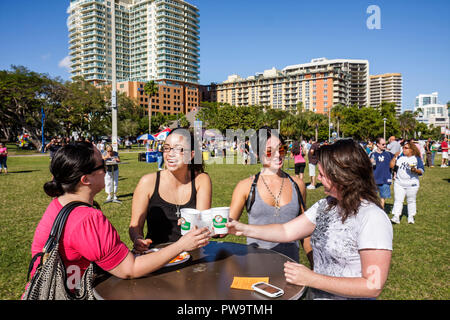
(408, 167)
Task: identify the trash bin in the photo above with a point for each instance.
(205, 155)
(141, 156)
(151, 156)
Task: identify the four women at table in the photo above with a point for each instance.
(351, 236)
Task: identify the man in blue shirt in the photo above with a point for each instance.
(380, 159)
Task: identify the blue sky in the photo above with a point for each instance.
(248, 36)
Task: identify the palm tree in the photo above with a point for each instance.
(337, 113)
(314, 120)
(299, 107)
(151, 88)
(407, 123)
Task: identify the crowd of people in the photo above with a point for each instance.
(427, 149)
(344, 235)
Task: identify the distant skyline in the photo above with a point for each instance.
(246, 37)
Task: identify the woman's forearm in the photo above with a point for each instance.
(135, 233)
(149, 263)
(346, 287)
(269, 232)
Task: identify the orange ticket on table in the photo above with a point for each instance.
(245, 283)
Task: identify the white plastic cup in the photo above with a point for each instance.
(189, 219)
(206, 220)
(220, 219)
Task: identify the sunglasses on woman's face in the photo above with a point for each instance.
(102, 166)
(281, 151)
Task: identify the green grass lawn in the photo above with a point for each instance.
(420, 262)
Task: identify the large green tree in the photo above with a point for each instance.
(24, 94)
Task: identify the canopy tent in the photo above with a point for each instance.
(146, 137)
(162, 135)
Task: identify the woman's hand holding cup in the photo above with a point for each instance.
(235, 227)
(194, 239)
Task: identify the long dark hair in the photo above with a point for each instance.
(296, 148)
(412, 145)
(189, 135)
(348, 167)
(68, 165)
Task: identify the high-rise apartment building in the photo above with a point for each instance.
(425, 99)
(153, 40)
(318, 85)
(430, 111)
(386, 88)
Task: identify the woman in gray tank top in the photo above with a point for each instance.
(263, 213)
(275, 197)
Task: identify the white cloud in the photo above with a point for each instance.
(65, 63)
(46, 56)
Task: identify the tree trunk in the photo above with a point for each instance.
(150, 116)
(338, 135)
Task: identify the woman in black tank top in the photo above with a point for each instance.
(162, 216)
(160, 196)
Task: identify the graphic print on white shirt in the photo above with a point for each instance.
(405, 176)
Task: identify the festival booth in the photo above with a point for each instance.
(161, 136)
(151, 142)
(150, 154)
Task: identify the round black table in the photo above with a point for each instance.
(207, 275)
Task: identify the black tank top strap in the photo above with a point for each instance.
(194, 190)
(156, 190)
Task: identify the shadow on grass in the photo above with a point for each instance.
(125, 196)
(24, 171)
(388, 209)
(318, 184)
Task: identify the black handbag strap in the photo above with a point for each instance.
(59, 223)
(297, 189)
(56, 231)
(251, 195)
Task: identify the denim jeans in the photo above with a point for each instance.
(160, 160)
(433, 154)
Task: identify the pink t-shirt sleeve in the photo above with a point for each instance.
(97, 240)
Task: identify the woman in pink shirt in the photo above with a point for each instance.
(78, 175)
(3, 158)
(299, 161)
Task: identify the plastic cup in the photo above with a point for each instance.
(412, 164)
(189, 219)
(206, 220)
(220, 219)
